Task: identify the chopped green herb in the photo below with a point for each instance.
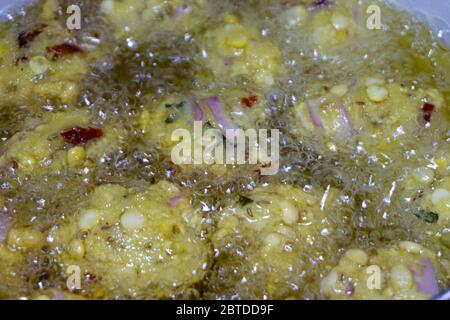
(243, 201)
(176, 105)
(171, 118)
(427, 216)
(207, 125)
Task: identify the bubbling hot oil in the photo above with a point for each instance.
(168, 62)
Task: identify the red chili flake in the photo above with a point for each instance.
(249, 101)
(79, 135)
(63, 49)
(427, 111)
(25, 38)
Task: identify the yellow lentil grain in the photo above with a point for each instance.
(357, 256)
(425, 175)
(273, 239)
(295, 16)
(440, 195)
(132, 220)
(76, 248)
(235, 37)
(39, 65)
(339, 90)
(377, 93)
(339, 21)
(290, 213)
(89, 219)
(76, 156)
(25, 238)
(411, 247)
(401, 277)
(328, 283)
(107, 6)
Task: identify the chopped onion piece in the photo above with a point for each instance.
(312, 106)
(427, 281)
(184, 8)
(357, 14)
(176, 199)
(344, 116)
(5, 221)
(198, 112)
(216, 108)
